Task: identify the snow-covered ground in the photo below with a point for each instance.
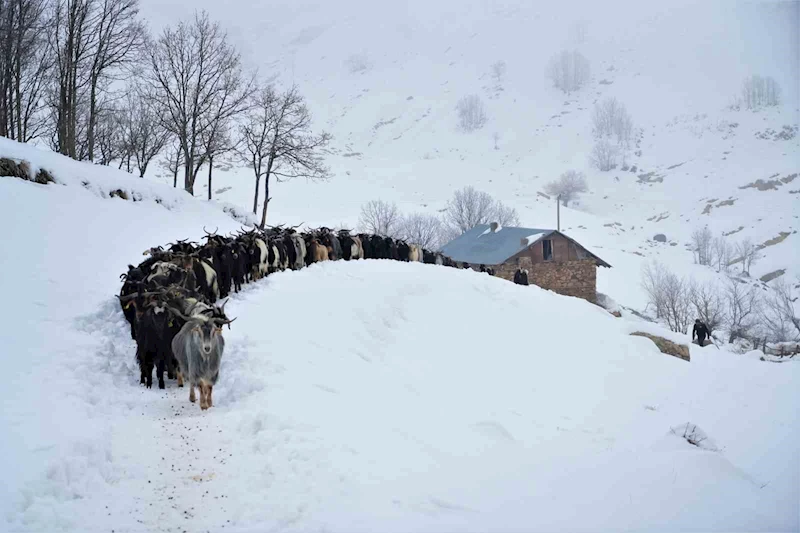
(359, 396)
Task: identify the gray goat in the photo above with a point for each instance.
(198, 347)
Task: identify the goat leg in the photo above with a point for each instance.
(203, 396)
(148, 375)
(208, 393)
(160, 374)
(180, 379)
(191, 393)
(172, 367)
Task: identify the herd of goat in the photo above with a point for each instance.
(170, 298)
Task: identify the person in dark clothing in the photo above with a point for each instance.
(701, 331)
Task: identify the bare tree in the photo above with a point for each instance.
(380, 218)
(217, 143)
(611, 119)
(742, 305)
(578, 32)
(117, 35)
(173, 161)
(277, 141)
(669, 296)
(254, 133)
(24, 66)
(90, 41)
(568, 71)
(722, 253)
(110, 136)
(568, 186)
(423, 229)
(748, 254)
(758, 92)
(505, 215)
(195, 75)
(70, 43)
(652, 283)
(358, 63)
(499, 71)
(604, 155)
(470, 207)
(708, 305)
(146, 135)
(471, 113)
(702, 246)
(779, 315)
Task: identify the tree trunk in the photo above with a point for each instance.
(18, 102)
(266, 202)
(6, 29)
(18, 78)
(267, 175)
(142, 170)
(210, 169)
(175, 176)
(62, 119)
(188, 174)
(255, 196)
(92, 117)
(72, 124)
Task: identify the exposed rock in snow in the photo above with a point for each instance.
(666, 346)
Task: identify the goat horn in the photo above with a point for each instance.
(223, 321)
(178, 313)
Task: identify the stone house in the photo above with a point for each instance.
(554, 261)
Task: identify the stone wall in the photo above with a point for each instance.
(571, 278)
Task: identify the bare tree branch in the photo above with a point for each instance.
(568, 187)
(380, 218)
(277, 141)
(195, 75)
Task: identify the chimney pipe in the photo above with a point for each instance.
(558, 213)
(493, 226)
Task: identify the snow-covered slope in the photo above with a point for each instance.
(64, 247)
(676, 66)
(363, 396)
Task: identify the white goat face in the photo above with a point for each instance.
(206, 333)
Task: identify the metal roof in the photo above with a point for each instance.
(481, 246)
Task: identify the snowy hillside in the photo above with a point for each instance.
(359, 396)
(385, 78)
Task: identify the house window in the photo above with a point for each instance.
(547, 250)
